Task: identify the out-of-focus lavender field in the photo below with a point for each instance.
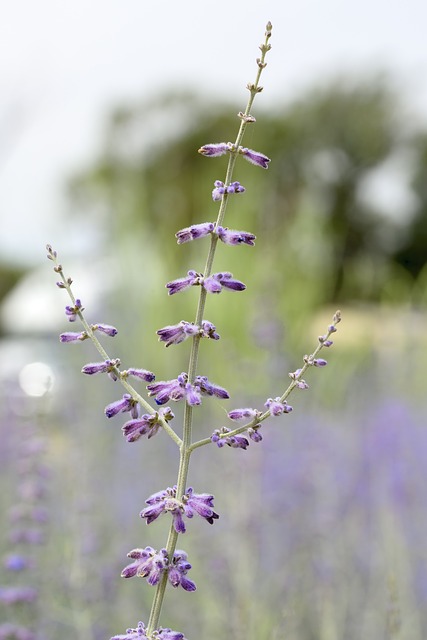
(322, 525)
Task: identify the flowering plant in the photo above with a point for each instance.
(180, 502)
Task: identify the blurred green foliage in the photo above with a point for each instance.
(322, 240)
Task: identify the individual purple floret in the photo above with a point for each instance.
(169, 389)
(70, 336)
(209, 330)
(220, 189)
(235, 187)
(229, 236)
(215, 283)
(194, 232)
(200, 503)
(242, 414)
(177, 571)
(141, 374)
(276, 407)
(220, 438)
(158, 634)
(109, 366)
(105, 328)
(72, 312)
(254, 434)
(127, 403)
(254, 157)
(175, 334)
(181, 284)
(180, 388)
(148, 563)
(148, 424)
(210, 389)
(300, 383)
(166, 501)
(214, 150)
(319, 362)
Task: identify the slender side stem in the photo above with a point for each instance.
(263, 416)
(120, 375)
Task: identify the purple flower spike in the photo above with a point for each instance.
(175, 334)
(276, 407)
(235, 237)
(127, 403)
(255, 157)
(141, 374)
(194, 232)
(105, 328)
(215, 282)
(70, 336)
(109, 366)
(215, 149)
(177, 571)
(72, 312)
(242, 414)
(183, 283)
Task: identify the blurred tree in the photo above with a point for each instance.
(322, 241)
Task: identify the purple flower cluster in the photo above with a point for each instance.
(140, 633)
(180, 388)
(72, 311)
(151, 564)
(216, 149)
(190, 503)
(212, 284)
(177, 333)
(148, 424)
(228, 236)
(277, 407)
(220, 189)
(19, 596)
(220, 437)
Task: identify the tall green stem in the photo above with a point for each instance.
(185, 447)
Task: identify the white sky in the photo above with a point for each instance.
(64, 63)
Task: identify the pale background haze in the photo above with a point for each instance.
(64, 65)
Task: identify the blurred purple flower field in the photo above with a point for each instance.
(335, 500)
